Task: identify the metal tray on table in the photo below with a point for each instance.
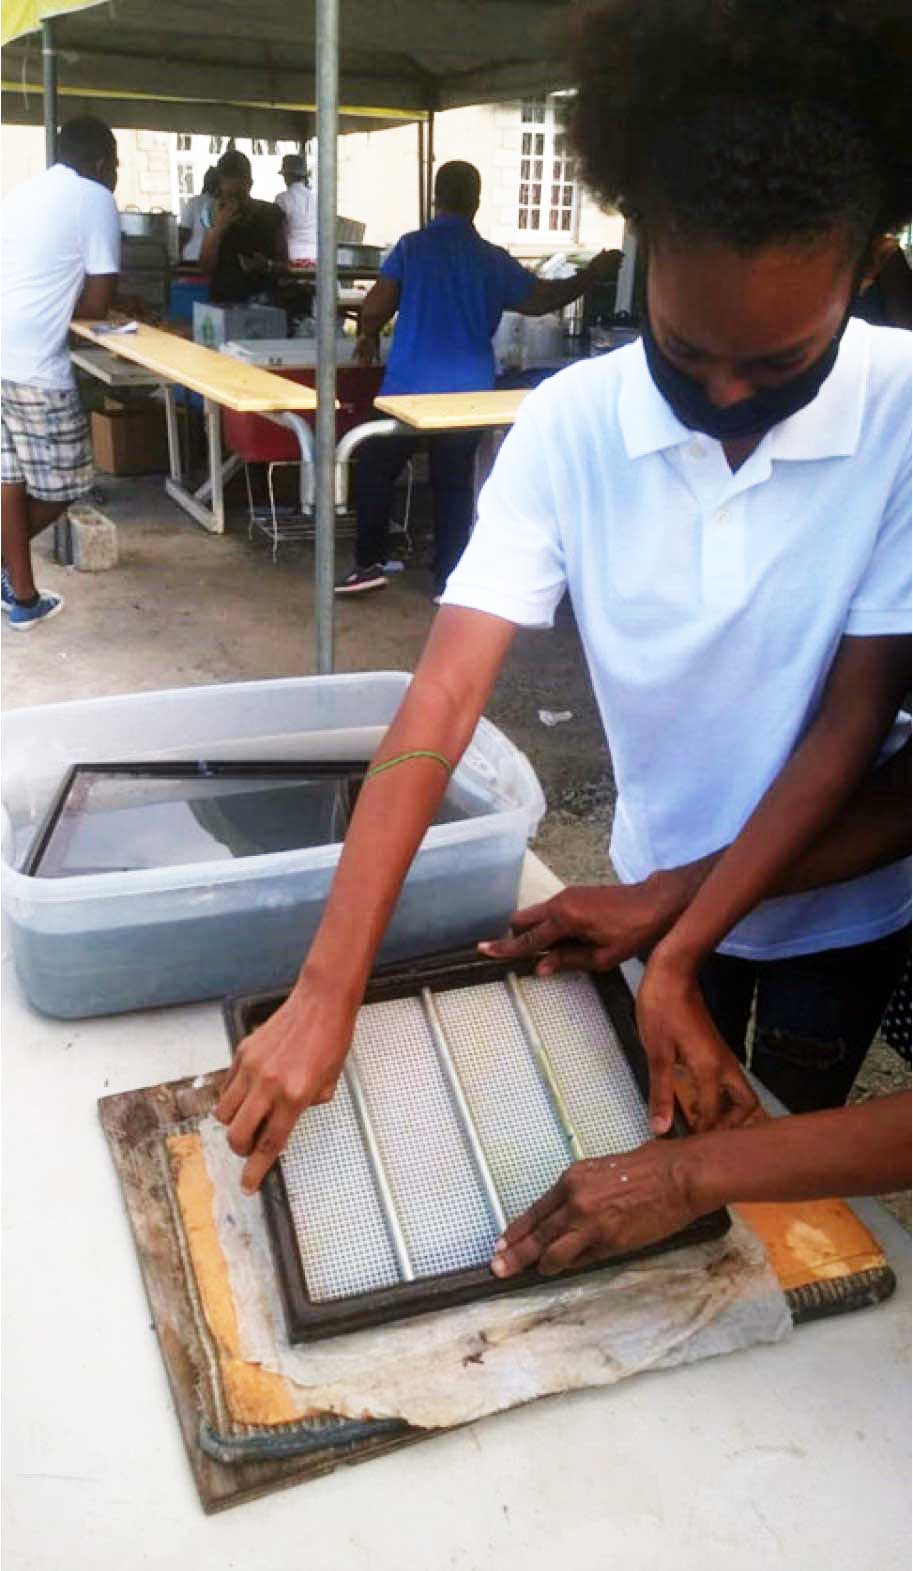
(470, 1087)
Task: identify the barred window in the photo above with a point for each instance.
(548, 195)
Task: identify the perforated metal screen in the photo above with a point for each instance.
(443, 1119)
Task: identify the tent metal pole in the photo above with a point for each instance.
(49, 90)
(324, 474)
(429, 168)
(420, 147)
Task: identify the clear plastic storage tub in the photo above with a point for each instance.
(100, 944)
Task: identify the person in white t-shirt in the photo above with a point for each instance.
(299, 206)
(61, 258)
(196, 214)
(726, 503)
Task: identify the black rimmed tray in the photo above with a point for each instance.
(394, 1126)
(240, 823)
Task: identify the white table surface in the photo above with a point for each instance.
(780, 1457)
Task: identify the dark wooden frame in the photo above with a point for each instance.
(307, 1321)
(350, 774)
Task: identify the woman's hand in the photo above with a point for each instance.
(593, 927)
(226, 213)
(289, 1063)
(602, 1208)
(678, 1036)
(255, 262)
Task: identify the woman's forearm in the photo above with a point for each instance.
(613, 1205)
(858, 707)
(209, 249)
(439, 714)
(392, 815)
(860, 1150)
(872, 831)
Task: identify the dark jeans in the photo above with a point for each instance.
(815, 1015)
(379, 465)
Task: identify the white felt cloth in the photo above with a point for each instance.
(460, 1364)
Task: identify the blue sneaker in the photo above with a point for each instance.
(24, 617)
(7, 597)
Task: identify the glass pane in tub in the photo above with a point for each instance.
(119, 819)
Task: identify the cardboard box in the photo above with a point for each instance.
(214, 325)
(130, 440)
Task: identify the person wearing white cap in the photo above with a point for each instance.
(298, 203)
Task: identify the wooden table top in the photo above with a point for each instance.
(248, 389)
(453, 411)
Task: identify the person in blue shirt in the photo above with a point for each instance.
(449, 288)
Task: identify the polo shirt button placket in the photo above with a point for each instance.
(724, 566)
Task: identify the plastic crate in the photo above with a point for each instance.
(260, 441)
(101, 944)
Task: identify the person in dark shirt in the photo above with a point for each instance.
(246, 241)
(447, 288)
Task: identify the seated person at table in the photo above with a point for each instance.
(245, 240)
(450, 288)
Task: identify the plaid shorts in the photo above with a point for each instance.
(45, 442)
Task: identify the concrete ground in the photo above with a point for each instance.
(183, 608)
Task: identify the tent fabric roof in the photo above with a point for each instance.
(26, 16)
(128, 111)
(186, 62)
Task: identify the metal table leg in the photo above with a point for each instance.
(194, 502)
(63, 540)
(347, 445)
(297, 424)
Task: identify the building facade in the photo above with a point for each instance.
(532, 200)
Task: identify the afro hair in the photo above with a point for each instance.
(745, 121)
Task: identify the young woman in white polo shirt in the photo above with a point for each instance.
(726, 502)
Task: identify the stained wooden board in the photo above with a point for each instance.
(136, 1124)
(813, 1241)
(247, 389)
(813, 1245)
(453, 411)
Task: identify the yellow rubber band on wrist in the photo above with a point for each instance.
(403, 758)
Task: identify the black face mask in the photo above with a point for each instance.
(752, 416)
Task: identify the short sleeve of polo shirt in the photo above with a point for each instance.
(516, 282)
(100, 230)
(513, 566)
(881, 603)
(394, 266)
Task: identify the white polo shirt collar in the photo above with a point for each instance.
(828, 427)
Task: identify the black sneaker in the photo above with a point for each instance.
(360, 579)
